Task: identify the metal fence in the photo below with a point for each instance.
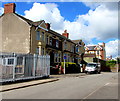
(18, 66)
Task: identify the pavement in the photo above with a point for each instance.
(52, 78)
(68, 75)
(26, 84)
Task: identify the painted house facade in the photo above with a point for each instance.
(21, 35)
(95, 51)
(80, 49)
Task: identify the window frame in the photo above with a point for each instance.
(43, 36)
(50, 41)
(47, 39)
(37, 50)
(57, 43)
(37, 35)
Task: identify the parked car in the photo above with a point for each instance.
(93, 68)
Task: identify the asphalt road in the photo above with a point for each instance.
(95, 86)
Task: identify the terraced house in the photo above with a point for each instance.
(21, 35)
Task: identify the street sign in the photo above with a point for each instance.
(65, 57)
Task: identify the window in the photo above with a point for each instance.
(65, 46)
(72, 59)
(56, 57)
(72, 48)
(19, 70)
(92, 52)
(47, 39)
(37, 50)
(19, 60)
(42, 36)
(59, 57)
(10, 61)
(50, 41)
(97, 52)
(57, 43)
(80, 43)
(37, 35)
(69, 58)
(76, 49)
(4, 61)
(42, 51)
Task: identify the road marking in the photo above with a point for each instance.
(95, 91)
(106, 84)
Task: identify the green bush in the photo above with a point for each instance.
(66, 64)
(70, 67)
(110, 63)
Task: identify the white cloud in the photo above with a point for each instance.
(92, 5)
(109, 5)
(112, 48)
(1, 10)
(48, 12)
(102, 23)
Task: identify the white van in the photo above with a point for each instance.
(93, 68)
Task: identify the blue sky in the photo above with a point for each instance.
(67, 9)
(92, 22)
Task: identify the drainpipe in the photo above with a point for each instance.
(30, 45)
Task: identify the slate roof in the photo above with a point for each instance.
(76, 41)
(61, 36)
(89, 55)
(90, 48)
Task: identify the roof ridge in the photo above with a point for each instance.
(30, 22)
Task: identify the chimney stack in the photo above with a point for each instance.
(65, 34)
(48, 26)
(9, 8)
(103, 44)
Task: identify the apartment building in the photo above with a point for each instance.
(21, 35)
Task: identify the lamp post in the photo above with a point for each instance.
(64, 66)
(64, 62)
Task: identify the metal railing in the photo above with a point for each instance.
(20, 66)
